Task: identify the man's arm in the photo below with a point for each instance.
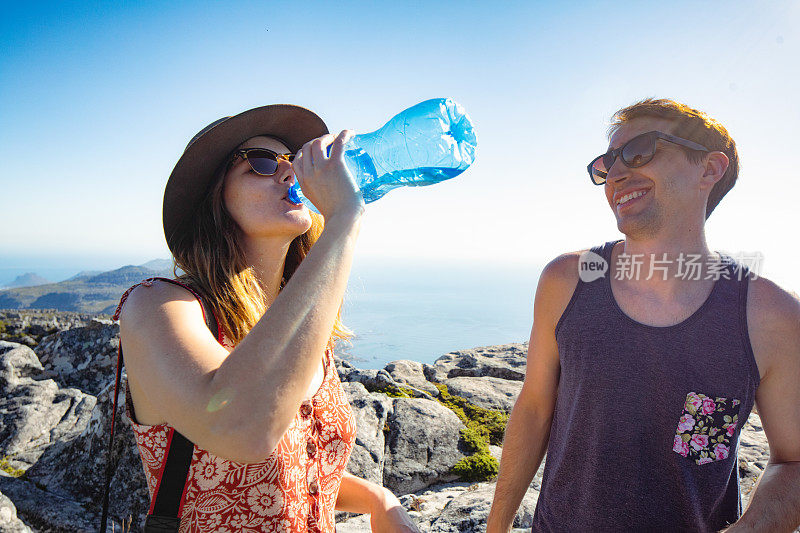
(528, 429)
(774, 329)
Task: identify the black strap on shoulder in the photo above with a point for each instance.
(161, 524)
(167, 498)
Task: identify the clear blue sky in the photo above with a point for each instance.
(97, 102)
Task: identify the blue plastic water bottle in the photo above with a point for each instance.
(430, 142)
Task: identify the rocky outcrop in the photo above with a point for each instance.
(753, 455)
(55, 411)
(29, 326)
(488, 392)
(44, 511)
(75, 468)
(82, 357)
(8, 517)
(506, 361)
(411, 374)
(58, 436)
(35, 413)
(371, 411)
(422, 445)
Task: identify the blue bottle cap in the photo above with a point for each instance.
(293, 195)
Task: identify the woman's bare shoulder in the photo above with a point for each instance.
(151, 296)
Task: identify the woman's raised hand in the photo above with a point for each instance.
(325, 179)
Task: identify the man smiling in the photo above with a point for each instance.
(642, 373)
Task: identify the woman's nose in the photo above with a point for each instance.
(285, 174)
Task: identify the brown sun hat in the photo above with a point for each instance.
(192, 175)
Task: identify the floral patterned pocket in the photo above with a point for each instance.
(706, 427)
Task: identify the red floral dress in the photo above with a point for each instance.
(294, 489)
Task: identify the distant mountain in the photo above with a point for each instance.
(29, 279)
(86, 292)
(158, 264)
(127, 274)
(84, 274)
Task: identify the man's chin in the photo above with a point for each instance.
(645, 224)
(637, 229)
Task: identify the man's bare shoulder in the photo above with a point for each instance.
(563, 270)
(773, 319)
(557, 284)
(772, 305)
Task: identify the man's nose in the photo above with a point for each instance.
(617, 172)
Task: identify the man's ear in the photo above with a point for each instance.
(716, 164)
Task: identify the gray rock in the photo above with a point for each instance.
(373, 379)
(343, 366)
(35, 414)
(28, 326)
(82, 357)
(424, 507)
(8, 517)
(753, 456)
(487, 392)
(23, 338)
(371, 411)
(355, 524)
(17, 362)
(378, 380)
(75, 468)
(468, 510)
(47, 512)
(423, 444)
(506, 361)
(496, 452)
(42, 321)
(410, 374)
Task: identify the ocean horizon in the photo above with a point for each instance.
(421, 312)
(406, 309)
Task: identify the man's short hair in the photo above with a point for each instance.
(690, 124)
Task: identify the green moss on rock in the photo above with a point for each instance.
(483, 427)
(477, 467)
(474, 441)
(488, 423)
(394, 392)
(6, 467)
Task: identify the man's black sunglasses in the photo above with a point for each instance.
(262, 160)
(635, 153)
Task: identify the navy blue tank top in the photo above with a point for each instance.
(646, 427)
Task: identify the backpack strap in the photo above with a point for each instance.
(163, 515)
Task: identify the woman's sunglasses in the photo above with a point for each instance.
(635, 153)
(263, 161)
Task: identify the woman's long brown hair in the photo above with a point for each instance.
(214, 264)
